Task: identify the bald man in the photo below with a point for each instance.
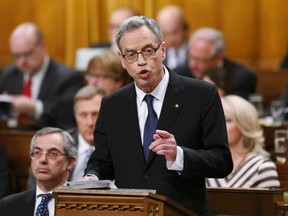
(117, 16)
(49, 81)
(206, 50)
(174, 27)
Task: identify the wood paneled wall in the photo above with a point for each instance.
(255, 30)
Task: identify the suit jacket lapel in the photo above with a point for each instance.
(47, 80)
(134, 121)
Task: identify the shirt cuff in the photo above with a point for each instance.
(38, 109)
(178, 164)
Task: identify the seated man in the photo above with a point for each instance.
(174, 27)
(117, 16)
(35, 81)
(206, 50)
(53, 155)
(87, 103)
(104, 71)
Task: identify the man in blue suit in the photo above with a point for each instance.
(190, 142)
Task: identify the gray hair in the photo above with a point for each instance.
(211, 35)
(87, 93)
(136, 22)
(69, 143)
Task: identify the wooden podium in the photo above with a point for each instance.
(74, 202)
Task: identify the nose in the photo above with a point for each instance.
(141, 59)
(193, 64)
(91, 120)
(43, 156)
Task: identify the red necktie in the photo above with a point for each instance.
(26, 90)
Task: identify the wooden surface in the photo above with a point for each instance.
(271, 84)
(114, 202)
(230, 201)
(17, 144)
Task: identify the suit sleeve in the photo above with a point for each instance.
(213, 157)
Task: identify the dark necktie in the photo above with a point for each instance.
(42, 209)
(150, 125)
(26, 90)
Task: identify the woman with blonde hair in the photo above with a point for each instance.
(252, 166)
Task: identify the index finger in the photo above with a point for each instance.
(163, 134)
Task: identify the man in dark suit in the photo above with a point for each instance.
(190, 142)
(86, 108)
(53, 155)
(174, 27)
(117, 16)
(206, 50)
(49, 80)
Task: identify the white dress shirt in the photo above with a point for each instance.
(37, 80)
(51, 203)
(159, 94)
(82, 158)
(176, 58)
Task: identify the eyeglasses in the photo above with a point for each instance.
(27, 54)
(201, 61)
(52, 155)
(146, 53)
(95, 76)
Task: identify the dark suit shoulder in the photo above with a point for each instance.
(60, 68)
(232, 66)
(22, 203)
(11, 80)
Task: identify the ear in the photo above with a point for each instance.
(220, 56)
(71, 163)
(123, 61)
(163, 50)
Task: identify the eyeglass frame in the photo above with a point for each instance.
(49, 154)
(26, 54)
(95, 76)
(141, 52)
(202, 61)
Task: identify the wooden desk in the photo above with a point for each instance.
(71, 202)
(239, 201)
(271, 84)
(17, 144)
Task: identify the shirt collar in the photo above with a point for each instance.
(39, 192)
(83, 146)
(158, 92)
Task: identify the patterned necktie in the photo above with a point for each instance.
(42, 209)
(26, 90)
(150, 125)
